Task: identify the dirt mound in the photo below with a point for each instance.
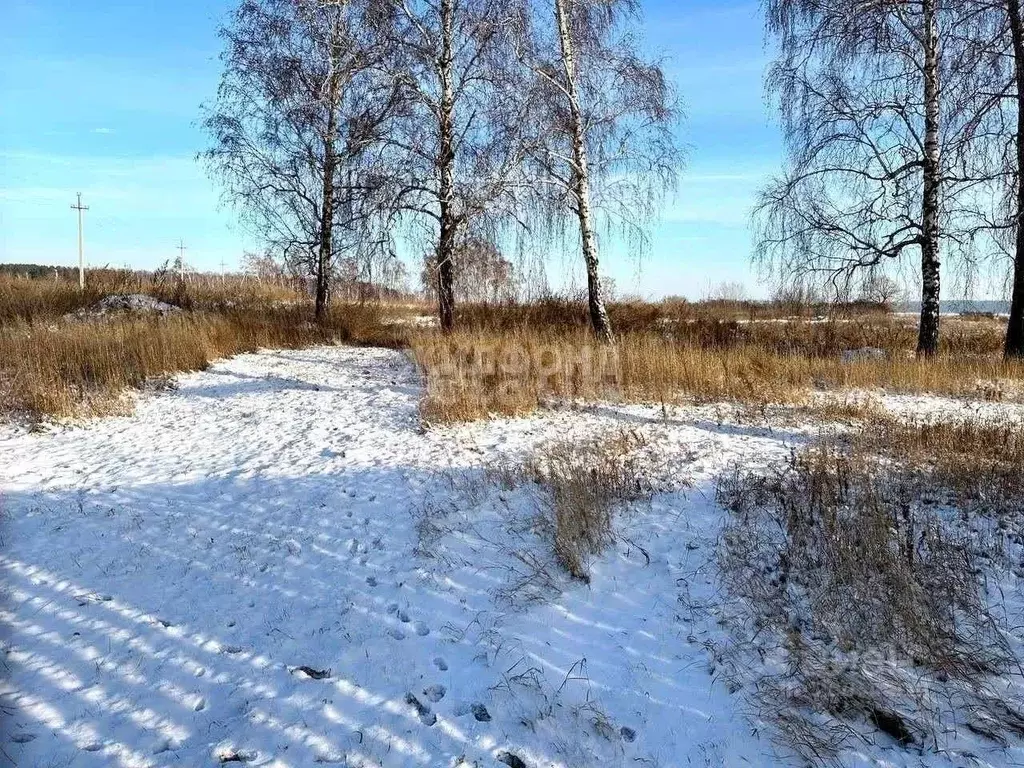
(134, 303)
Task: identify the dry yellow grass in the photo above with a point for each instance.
(83, 368)
(41, 299)
(506, 359)
(861, 565)
(471, 375)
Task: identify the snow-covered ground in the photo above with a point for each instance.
(168, 574)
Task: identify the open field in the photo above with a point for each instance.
(275, 563)
(426, 482)
(363, 542)
(58, 360)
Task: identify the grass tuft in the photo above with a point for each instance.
(582, 484)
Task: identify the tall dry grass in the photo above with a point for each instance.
(862, 569)
(471, 375)
(583, 483)
(629, 316)
(83, 368)
(506, 359)
(43, 299)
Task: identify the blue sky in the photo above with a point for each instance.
(103, 98)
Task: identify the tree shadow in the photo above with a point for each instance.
(172, 626)
(160, 597)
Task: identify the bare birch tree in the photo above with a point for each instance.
(604, 123)
(997, 35)
(301, 104)
(484, 274)
(878, 114)
(456, 150)
(1014, 346)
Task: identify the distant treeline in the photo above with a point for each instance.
(38, 270)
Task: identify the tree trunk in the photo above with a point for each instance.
(327, 206)
(1014, 348)
(446, 170)
(928, 331)
(598, 313)
(323, 261)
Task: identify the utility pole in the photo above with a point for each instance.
(81, 258)
(181, 260)
(223, 270)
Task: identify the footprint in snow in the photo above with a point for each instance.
(511, 760)
(422, 710)
(434, 693)
(371, 581)
(480, 713)
(311, 672)
(397, 633)
(330, 756)
(421, 629)
(392, 608)
(441, 664)
(23, 738)
(233, 756)
(403, 617)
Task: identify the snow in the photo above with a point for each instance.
(138, 303)
(276, 564)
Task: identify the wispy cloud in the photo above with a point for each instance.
(102, 130)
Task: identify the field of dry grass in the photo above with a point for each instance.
(504, 360)
(863, 569)
(42, 299)
(52, 366)
(471, 374)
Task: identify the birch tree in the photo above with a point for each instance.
(456, 150)
(1014, 346)
(997, 34)
(878, 113)
(605, 119)
(301, 104)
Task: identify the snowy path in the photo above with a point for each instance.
(168, 572)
